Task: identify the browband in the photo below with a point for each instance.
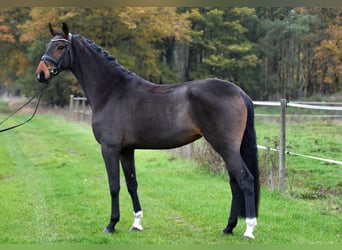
(62, 39)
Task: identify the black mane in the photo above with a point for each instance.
(105, 54)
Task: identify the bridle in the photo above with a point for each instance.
(54, 71)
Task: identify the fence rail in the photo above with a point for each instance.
(306, 105)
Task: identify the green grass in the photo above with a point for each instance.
(53, 189)
(320, 139)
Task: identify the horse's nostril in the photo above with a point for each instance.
(40, 76)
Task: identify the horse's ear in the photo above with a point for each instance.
(65, 30)
(52, 31)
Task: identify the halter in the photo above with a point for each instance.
(54, 71)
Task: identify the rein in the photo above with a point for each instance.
(39, 93)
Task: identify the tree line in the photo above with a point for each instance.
(271, 52)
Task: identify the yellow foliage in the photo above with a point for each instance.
(38, 23)
(155, 23)
(5, 32)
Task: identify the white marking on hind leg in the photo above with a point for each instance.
(250, 225)
(137, 221)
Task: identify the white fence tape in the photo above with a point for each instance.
(299, 105)
(261, 103)
(309, 106)
(306, 156)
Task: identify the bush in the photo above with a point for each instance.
(206, 157)
(203, 153)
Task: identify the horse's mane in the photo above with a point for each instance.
(106, 55)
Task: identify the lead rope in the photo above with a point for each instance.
(39, 93)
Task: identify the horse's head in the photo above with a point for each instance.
(58, 55)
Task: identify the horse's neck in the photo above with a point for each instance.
(97, 78)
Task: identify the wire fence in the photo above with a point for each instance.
(332, 106)
(283, 104)
(301, 155)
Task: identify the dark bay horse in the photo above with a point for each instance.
(132, 113)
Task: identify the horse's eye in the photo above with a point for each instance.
(61, 47)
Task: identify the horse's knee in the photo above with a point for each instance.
(114, 191)
(247, 185)
(132, 186)
(242, 177)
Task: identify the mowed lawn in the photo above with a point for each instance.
(53, 189)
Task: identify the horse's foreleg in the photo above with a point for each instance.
(128, 165)
(111, 158)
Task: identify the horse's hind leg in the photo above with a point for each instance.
(221, 114)
(236, 205)
(242, 187)
(128, 165)
(243, 203)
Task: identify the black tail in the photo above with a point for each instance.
(248, 149)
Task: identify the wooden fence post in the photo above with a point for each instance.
(71, 103)
(77, 109)
(282, 162)
(83, 108)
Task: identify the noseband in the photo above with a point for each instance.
(54, 71)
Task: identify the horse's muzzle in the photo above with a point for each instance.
(42, 73)
(41, 77)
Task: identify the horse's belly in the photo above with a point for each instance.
(166, 138)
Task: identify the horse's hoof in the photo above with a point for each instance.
(135, 229)
(108, 230)
(225, 232)
(248, 237)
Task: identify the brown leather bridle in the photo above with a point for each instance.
(54, 70)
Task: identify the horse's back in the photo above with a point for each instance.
(215, 87)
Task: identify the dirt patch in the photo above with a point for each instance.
(6, 177)
(17, 103)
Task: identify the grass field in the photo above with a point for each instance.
(53, 189)
(318, 139)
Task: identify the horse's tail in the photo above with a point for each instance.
(248, 149)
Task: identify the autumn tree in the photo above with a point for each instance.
(328, 53)
(271, 52)
(12, 51)
(286, 44)
(134, 35)
(220, 47)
